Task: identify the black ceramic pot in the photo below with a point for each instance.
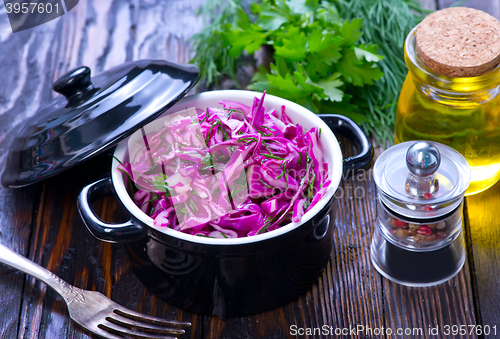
(232, 277)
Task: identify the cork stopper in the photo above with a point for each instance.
(459, 42)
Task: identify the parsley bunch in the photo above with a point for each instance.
(315, 52)
(326, 55)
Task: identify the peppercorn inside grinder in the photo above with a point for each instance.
(418, 238)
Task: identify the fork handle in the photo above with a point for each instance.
(13, 259)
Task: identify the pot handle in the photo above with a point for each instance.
(349, 129)
(116, 233)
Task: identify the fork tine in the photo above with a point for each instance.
(123, 321)
(103, 333)
(113, 328)
(139, 317)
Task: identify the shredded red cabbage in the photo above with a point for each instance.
(227, 172)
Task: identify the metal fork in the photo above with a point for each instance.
(94, 311)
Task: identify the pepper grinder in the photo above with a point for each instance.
(418, 238)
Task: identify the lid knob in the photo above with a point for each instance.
(423, 158)
(74, 82)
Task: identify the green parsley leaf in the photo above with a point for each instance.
(367, 52)
(349, 31)
(302, 6)
(285, 86)
(294, 46)
(331, 87)
(357, 72)
(244, 35)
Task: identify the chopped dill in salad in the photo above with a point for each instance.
(226, 172)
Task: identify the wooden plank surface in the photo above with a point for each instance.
(42, 223)
(16, 212)
(483, 230)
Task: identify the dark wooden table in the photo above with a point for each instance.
(41, 221)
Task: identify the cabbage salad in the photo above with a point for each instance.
(226, 172)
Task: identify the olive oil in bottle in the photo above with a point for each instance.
(451, 92)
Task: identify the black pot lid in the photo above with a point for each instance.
(93, 115)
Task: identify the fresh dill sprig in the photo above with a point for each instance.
(211, 54)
